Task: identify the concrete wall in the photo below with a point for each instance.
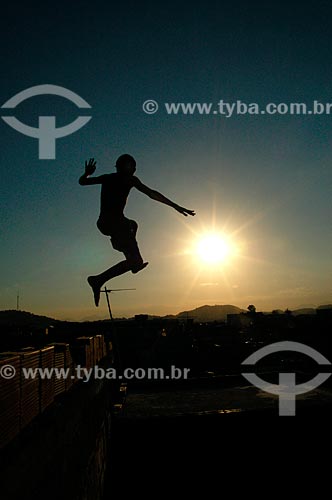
(62, 454)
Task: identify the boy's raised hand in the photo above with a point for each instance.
(90, 166)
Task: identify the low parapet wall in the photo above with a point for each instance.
(62, 454)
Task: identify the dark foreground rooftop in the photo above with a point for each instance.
(203, 401)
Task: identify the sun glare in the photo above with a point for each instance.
(213, 249)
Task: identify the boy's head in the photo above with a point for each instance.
(125, 164)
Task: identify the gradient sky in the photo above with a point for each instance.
(264, 180)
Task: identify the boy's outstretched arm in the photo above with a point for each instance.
(155, 195)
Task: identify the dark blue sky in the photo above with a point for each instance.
(264, 180)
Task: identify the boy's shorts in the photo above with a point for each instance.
(122, 232)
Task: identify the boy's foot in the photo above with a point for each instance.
(93, 282)
(142, 266)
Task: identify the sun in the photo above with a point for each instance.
(213, 248)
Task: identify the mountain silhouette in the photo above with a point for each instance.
(16, 318)
(206, 313)
(202, 314)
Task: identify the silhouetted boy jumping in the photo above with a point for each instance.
(112, 222)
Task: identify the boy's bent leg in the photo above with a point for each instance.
(130, 247)
(135, 259)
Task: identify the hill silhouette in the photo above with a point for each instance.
(202, 314)
(16, 318)
(206, 313)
